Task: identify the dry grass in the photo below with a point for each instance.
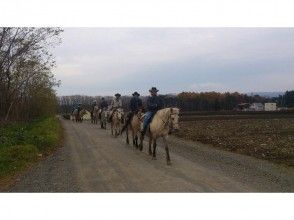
(270, 139)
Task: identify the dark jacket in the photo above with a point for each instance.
(93, 106)
(135, 104)
(103, 104)
(154, 103)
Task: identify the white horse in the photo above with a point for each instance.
(116, 122)
(95, 115)
(79, 116)
(164, 122)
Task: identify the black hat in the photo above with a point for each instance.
(153, 89)
(117, 94)
(135, 93)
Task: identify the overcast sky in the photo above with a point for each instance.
(103, 61)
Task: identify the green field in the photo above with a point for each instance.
(22, 144)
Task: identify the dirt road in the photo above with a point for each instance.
(93, 161)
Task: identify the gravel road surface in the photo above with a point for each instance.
(91, 160)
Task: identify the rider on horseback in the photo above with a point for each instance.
(102, 106)
(116, 103)
(93, 105)
(79, 108)
(154, 103)
(103, 103)
(135, 106)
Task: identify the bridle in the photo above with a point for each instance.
(169, 122)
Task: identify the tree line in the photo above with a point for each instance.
(26, 81)
(286, 100)
(186, 101)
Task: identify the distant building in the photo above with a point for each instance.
(256, 106)
(270, 106)
(242, 107)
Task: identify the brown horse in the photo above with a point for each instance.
(164, 122)
(79, 116)
(116, 122)
(134, 126)
(94, 115)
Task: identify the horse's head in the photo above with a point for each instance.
(120, 113)
(83, 112)
(174, 116)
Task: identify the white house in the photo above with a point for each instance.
(270, 106)
(256, 107)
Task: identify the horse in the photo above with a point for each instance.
(103, 115)
(116, 122)
(163, 123)
(134, 126)
(72, 116)
(79, 116)
(95, 114)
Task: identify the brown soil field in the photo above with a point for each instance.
(269, 139)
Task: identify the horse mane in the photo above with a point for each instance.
(165, 111)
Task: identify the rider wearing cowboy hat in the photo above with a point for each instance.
(154, 103)
(116, 103)
(135, 106)
(93, 106)
(79, 108)
(103, 103)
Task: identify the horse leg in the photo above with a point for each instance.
(127, 133)
(166, 151)
(136, 141)
(154, 150)
(141, 143)
(115, 130)
(150, 143)
(133, 137)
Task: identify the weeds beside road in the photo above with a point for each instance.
(22, 144)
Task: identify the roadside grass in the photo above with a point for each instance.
(22, 144)
(269, 139)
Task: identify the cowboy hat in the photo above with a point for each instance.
(117, 94)
(136, 93)
(153, 89)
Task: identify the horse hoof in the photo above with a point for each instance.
(150, 152)
(153, 158)
(168, 163)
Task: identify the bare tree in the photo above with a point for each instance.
(25, 64)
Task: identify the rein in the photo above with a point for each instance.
(168, 122)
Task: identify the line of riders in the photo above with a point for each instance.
(139, 121)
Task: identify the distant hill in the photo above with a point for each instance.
(266, 94)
